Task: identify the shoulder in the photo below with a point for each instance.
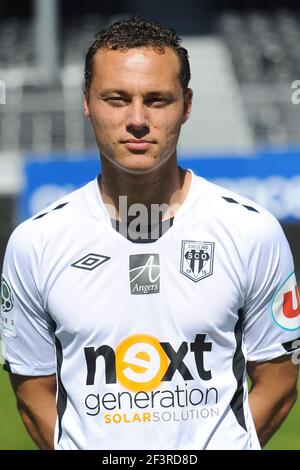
(248, 218)
(61, 214)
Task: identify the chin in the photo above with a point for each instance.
(138, 163)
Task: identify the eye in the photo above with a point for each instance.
(116, 100)
(158, 101)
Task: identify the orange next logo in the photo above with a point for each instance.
(141, 362)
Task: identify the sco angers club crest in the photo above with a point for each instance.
(197, 259)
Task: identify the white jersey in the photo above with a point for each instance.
(149, 341)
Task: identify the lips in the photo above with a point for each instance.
(134, 144)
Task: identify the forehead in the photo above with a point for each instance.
(143, 66)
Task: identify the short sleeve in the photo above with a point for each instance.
(271, 312)
(27, 331)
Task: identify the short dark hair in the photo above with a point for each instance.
(138, 32)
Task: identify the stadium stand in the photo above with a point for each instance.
(265, 54)
(254, 53)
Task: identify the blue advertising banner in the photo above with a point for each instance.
(48, 180)
(270, 178)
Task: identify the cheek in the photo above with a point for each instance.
(106, 128)
(168, 122)
(103, 137)
(105, 120)
(167, 127)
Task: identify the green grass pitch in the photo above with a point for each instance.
(14, 436)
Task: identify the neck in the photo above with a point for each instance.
(168, 185)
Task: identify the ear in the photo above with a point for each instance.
(188, 99)
(86, 106)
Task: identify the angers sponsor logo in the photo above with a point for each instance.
(197, 259)
(144, 274)
(285, 305)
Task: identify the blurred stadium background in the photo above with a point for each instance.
(244, 132)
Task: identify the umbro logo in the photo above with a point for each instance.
(90, 261)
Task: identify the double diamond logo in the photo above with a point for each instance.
(90, 261)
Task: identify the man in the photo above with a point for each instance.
(144, 319)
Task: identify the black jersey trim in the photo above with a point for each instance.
(60, 206)
(230, 200)
(238, 367)
(290, 346)
(145, 232)
(233, 201)
(62, 396)
(6, 366)
(41, 215)
(250, 208)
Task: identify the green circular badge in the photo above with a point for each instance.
(7, 302)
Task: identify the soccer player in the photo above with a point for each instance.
(133, 307)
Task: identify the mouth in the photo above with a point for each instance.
(135, 144)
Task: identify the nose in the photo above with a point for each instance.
(137, 117)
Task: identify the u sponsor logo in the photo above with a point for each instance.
(285, 306)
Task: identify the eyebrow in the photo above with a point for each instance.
(125, 93)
